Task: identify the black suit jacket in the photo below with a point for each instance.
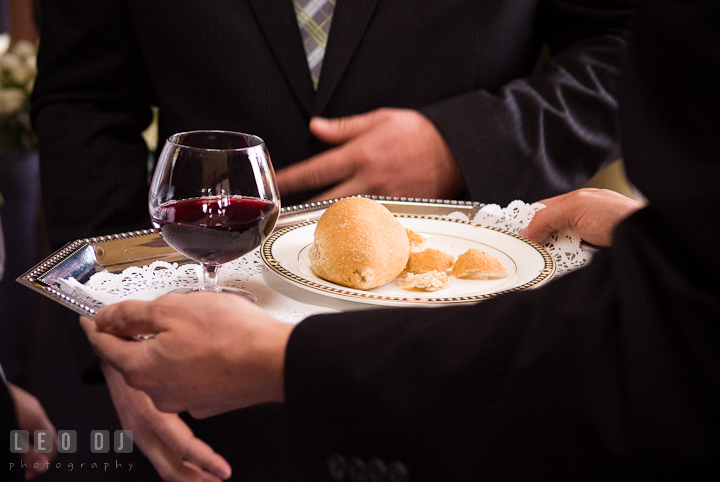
(612, 372)
(240, 65)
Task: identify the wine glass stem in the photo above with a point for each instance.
(209, 280)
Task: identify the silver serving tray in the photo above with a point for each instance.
(83, 258)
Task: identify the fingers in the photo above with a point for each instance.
(31, 416)
(171, 467)
(119, 352)
(328, 168)
(181, 440)
(544, 223)
(594, 213)
(341, 129)
(558, 214)
(131, 318)
(161, 436)
(170, 464)
(36, 463)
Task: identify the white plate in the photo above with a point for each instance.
(286, 253)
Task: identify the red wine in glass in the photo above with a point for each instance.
(216, 230)
(213, 198)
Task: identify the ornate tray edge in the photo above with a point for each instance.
(34, 277)
(308, 212)
(309, 207)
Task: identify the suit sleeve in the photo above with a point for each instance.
(584, 379)
(611, 372)
(91, 103)
(546, 134)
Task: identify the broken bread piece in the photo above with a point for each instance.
(426, 270)
(428, 281)
(476, 264)
(417, 241)
(429, 260)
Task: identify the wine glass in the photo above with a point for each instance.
(213, 198)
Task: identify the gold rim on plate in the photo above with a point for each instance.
(533, 265)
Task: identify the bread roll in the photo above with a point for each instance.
(359, 244)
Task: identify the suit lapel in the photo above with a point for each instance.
(279, 25)
(350, 19)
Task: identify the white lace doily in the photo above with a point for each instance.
(160, 277)
(563, 246)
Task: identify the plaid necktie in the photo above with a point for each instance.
(314, 17)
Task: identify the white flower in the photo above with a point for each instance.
(9, 63)
(25, 50)
(16, 70)
(11, 101)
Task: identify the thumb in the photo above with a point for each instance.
(129, 318)
(543, 224)
(340, 129)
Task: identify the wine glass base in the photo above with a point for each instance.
(237, 291)
(224, 289)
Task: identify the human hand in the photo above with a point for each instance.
(211, 353)
(388, 152)
(31, 416)
(594, 213)
(164, 438)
